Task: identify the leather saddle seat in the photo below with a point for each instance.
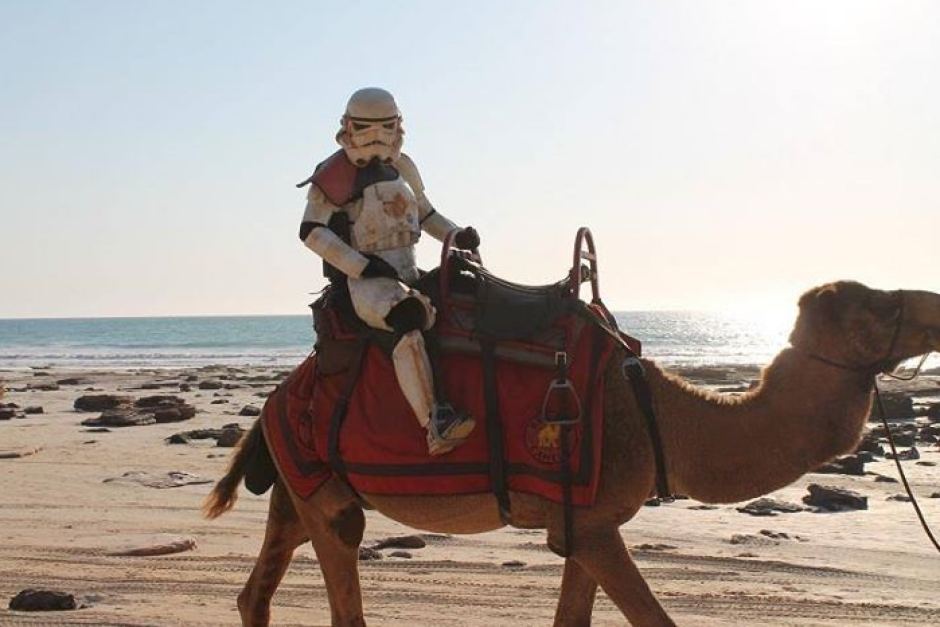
(478, 307)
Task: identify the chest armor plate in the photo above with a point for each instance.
(387, 217)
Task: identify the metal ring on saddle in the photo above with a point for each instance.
(576, 276)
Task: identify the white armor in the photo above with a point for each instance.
(387, 220)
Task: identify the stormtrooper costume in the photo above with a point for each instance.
(380, 193)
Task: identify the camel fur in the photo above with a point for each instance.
(810, 406)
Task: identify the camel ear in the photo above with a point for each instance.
(821, 299)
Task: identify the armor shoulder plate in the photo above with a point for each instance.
(336, 178)
(409, 172)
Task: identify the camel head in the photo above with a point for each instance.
(849, 324)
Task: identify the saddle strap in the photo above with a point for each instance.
(567, 507)
(634, 372)
(494, 431)
(339, 411)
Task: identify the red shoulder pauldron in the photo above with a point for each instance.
(336, 178)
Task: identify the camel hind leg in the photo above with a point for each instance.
(335, 524)
(284, 533)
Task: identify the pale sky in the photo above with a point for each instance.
(725, 154)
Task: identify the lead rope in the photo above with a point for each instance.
(897, 462)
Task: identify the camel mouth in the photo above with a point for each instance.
(933, 339)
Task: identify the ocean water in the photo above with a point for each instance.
(672, 338)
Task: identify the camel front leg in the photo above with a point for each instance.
(335, 524)
(605, 558)
(576, 600)
(283, 535)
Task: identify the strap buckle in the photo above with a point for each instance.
(632, 363)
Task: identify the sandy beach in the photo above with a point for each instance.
(61, 522)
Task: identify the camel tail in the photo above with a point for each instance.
(225, 493)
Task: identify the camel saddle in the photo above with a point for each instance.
(526, 361)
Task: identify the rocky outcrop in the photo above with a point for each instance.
(834, 499)
(848, 465)
(228, 436)
(43, 601)
(101, 402)
(898, 405)
(767, 506)
(172, 479)
(144, 411)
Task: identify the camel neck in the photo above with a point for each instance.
(728, 448)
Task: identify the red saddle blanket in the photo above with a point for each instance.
(383, 449)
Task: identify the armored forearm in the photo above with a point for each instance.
(335, 251)
(437, 226)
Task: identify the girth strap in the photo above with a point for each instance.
(339, 411)
(634, 372)
(494, 431)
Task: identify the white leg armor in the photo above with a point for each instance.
(373, 299)
(413, 370)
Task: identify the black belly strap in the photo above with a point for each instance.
(494, 431)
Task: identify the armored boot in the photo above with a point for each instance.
(447, 429)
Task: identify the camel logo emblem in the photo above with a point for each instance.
(543, 440)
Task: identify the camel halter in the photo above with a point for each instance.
(879, 366)
(872, 370)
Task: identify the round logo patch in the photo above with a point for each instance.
(543, 440)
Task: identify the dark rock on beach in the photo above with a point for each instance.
(903, 498)
(227, 436)
(898, 405)
(43, 387)
(43, 601)
(906, 455)
(400, 542)
(933, 412)
(172, 479)
(870, 444)
(848, 465)
(33, 409)
(230, 437)
(121, 417)
(101, 402)
(210, 385)
(75, 381)
(834, 499)
(767, 506)
(366, 554)
(904, 438)
(145, 411)
(249, 410)
(6, 413)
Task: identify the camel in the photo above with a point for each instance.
(810, 406)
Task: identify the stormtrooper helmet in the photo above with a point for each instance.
(371, 127)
